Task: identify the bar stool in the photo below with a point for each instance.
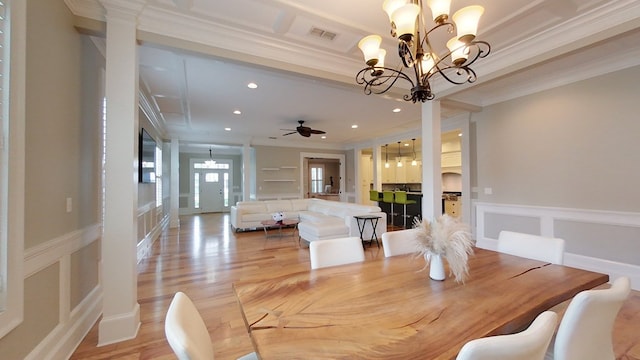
(375, 195)
(401, 198)
(388, 197)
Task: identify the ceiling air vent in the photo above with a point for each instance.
(322, 34)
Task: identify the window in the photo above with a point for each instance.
(12, 161)
(196, 190)
(158, 176)
(316, 178)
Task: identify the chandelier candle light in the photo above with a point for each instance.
(419, 53)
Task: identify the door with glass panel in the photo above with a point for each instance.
(211, 187)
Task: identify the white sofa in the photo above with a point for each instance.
(319, 219)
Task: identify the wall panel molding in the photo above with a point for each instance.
(548, 217)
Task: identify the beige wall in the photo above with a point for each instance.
(575, 146)
(63, 80)
(276, 157)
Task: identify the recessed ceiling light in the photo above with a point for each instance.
(323, 136)
(227, 129)
(252, 85)
(459, 134)
(406, 144)
(354, 126)
(237, 112)
(396, 110)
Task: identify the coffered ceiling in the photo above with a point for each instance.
(197, 57)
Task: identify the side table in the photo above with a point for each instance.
(362, 222)
(270, 224)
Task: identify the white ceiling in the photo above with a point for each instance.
(197, 56)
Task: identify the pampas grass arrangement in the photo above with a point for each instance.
(449, 238)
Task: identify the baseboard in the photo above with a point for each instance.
(114, 329)
(65, 338)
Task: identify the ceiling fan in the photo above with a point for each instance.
(303, 130)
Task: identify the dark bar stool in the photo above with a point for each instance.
(388, 197)
(401, 198)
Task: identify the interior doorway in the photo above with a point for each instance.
(333, 176)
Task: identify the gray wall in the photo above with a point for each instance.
(564, 163)
(62, 161)
(575, 146)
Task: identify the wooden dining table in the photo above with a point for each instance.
(389, 308)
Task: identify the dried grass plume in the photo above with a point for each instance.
(449, 238)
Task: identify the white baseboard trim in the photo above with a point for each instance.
(612, 268)
(65, 337)
(145, 245)
(121, 327)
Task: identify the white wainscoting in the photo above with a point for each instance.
(75, 323)
(547, 221)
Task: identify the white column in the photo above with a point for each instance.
(431, 160)
(174, 214)
(120, 309)
(246, 172)
(377, 167)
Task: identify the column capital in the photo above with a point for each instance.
(125, 9)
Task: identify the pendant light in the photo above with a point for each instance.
(399, 163)
(386, 155)
(414, 162)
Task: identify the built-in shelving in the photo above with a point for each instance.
(270, 169)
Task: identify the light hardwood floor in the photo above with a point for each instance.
(205, 257)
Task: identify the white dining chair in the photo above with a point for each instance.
(586, 328)
(530, 344)
(186, 332)
(534, 247)
(331, 252)
(399, 242)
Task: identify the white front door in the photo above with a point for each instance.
(212, 190)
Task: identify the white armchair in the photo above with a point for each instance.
(334, 252)
(586, 328)
(399, 242)
(532, 246)
(530, 344)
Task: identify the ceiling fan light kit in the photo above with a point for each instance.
(452, 60)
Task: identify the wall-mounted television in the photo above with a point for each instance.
(147, 158)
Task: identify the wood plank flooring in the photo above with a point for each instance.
(204, 257)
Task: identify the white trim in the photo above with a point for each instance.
(145, 245)
(42, 256)
(119, 327)
(65, 338)
(12, 315)
(548, 215)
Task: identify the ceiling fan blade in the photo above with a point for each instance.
(313, 131)
(304, 133)
(289, 133)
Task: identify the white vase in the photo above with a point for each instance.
(436, 267)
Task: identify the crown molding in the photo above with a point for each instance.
(601, 23)
(253, 47)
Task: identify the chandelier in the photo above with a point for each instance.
(452, 60)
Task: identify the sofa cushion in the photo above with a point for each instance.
(256, 207)
(314, 217)
(299, 204)
(321, 230)
(278, 205)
